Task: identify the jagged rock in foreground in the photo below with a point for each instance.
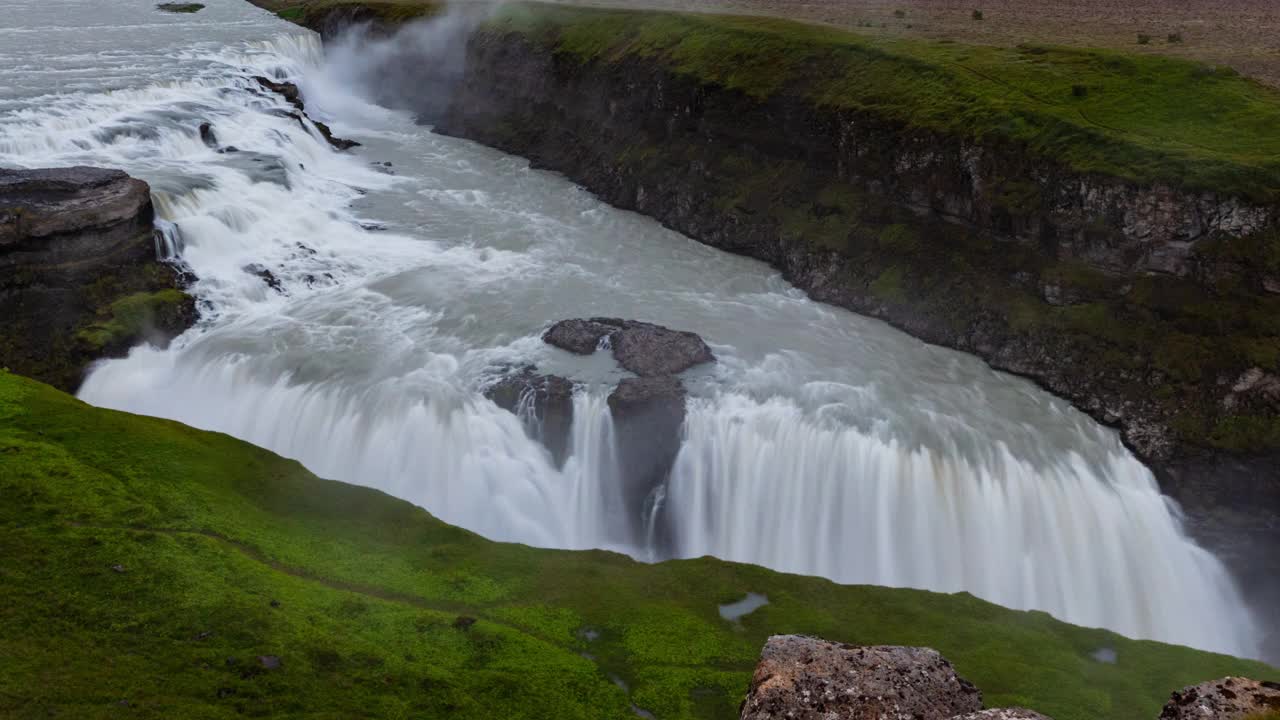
(645, 349)
(1232, 698)
(79, 277)
(804, 678)
(543, 402)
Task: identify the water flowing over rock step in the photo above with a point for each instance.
(1145, 299)
(648, 412)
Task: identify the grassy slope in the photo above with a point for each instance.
(1143, 118)
(209, 531)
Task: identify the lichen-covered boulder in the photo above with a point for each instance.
(1231, 698)
(805, 678)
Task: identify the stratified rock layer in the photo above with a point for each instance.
(1232, 698)
(804, 678)
(79, 278)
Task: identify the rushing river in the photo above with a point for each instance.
(416, 267)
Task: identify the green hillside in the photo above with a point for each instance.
(148, 566)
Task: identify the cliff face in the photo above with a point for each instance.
(79, 278)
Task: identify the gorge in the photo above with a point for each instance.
(356, 305)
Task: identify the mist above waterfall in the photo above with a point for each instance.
(415, 66)
(822, 442)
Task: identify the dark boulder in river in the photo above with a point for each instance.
(645, 349)
(79, 276)
(544, 403)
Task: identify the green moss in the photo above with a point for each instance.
(888, 285)
(130, 318)
(223, 552)
(1246, 433)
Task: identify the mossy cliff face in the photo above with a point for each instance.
(79, 279)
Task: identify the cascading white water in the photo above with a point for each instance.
(821, 442)
(1097, 545)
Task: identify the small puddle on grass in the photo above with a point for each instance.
(735, 611)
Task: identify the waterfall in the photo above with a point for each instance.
(1093, 544)
(408, 274)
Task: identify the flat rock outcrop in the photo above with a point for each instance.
(1231, 698)
(79, 276)
(543, 402)
(645, 349)
(804, 678)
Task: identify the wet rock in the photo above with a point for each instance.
(804, 678)
(293, 96)
(337, 142)
(73, 241)
(184, 8)
(652, 350)
(648, 415)
(268, 277)
(1231, 698)
(581, 337)
(1003, 714)
(645, 349)
(287, 90)
(207, 136)
(543, 402)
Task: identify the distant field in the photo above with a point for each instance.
(1244, 34)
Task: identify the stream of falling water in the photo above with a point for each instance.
(415, 268)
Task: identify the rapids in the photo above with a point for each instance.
(414, 269)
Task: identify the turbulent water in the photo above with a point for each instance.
(417, 267)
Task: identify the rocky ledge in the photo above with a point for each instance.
(79, 274)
